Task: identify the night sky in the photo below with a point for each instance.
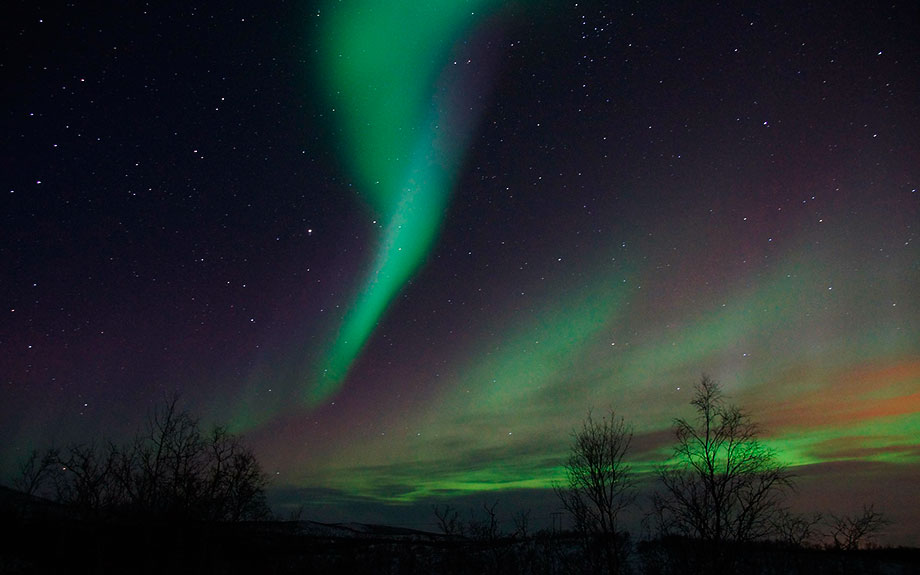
(404, 247)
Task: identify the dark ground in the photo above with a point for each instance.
(44, 537)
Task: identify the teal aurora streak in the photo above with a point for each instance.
(386, 72)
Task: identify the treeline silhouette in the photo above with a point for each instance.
(171, 499)
(170, 470)
(719, 508)
(178, 499)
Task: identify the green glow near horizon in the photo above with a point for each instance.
(503, 418)
(382, 64)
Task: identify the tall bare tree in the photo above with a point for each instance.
(599, 485)
(723, 485)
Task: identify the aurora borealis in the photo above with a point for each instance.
(404, 139)
(405, 250)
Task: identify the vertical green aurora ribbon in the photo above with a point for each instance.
(405, 114)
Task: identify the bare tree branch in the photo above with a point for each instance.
(170, 469)
(723, 484)
(599, 484)
(850, 532)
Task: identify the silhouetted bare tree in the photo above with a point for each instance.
(83, 478)
(796, 529)
(850, 532)
(36, 470)
(724, 485)
(449, 521)
(485, 529)
(234, 480)
(173, 469)
(521, 520)
(599, 485)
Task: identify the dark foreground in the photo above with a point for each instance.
(47, 538)
(305, 547)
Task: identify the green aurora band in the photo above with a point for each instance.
(385, 69)
(496, 423)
